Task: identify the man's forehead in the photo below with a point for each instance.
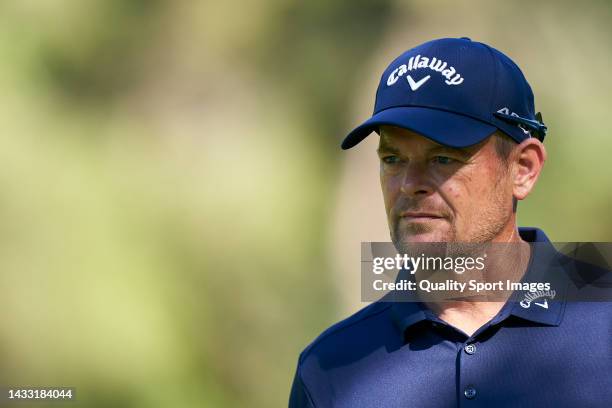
(394, 138)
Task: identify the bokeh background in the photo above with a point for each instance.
(177, 219)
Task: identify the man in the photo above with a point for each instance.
(460, 144)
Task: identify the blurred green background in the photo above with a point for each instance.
(178, 221)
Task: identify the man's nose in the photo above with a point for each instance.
(416, 181)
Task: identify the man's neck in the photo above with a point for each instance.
(468, 315)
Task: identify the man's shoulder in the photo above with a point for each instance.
(350, 331)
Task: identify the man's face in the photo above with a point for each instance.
(434, 193)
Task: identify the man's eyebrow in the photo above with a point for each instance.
(385, 147)
(462, 151)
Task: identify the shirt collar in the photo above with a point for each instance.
(543, 266)
(407, 314)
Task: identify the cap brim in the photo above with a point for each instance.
(446, 128)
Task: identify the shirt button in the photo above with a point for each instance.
(469, 392)
(470, 349)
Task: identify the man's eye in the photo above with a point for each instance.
(390, 159)
(443, 160)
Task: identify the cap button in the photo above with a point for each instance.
(465, 38)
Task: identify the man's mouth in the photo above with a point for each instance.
(420, 216)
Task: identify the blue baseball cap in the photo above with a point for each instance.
(456, 92)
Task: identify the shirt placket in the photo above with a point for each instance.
(468, 356)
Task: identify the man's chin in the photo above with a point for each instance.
(421, 232)
(434, 235)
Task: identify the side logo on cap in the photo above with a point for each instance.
(507, 111)
(437, 65)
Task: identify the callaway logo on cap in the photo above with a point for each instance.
(456, 92)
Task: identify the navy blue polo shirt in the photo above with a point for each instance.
(401, 355)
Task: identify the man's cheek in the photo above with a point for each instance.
(453, 193)
(461, 219)
(390, 196)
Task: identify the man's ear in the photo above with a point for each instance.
(528, 159)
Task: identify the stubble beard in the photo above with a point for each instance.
(491, 222)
